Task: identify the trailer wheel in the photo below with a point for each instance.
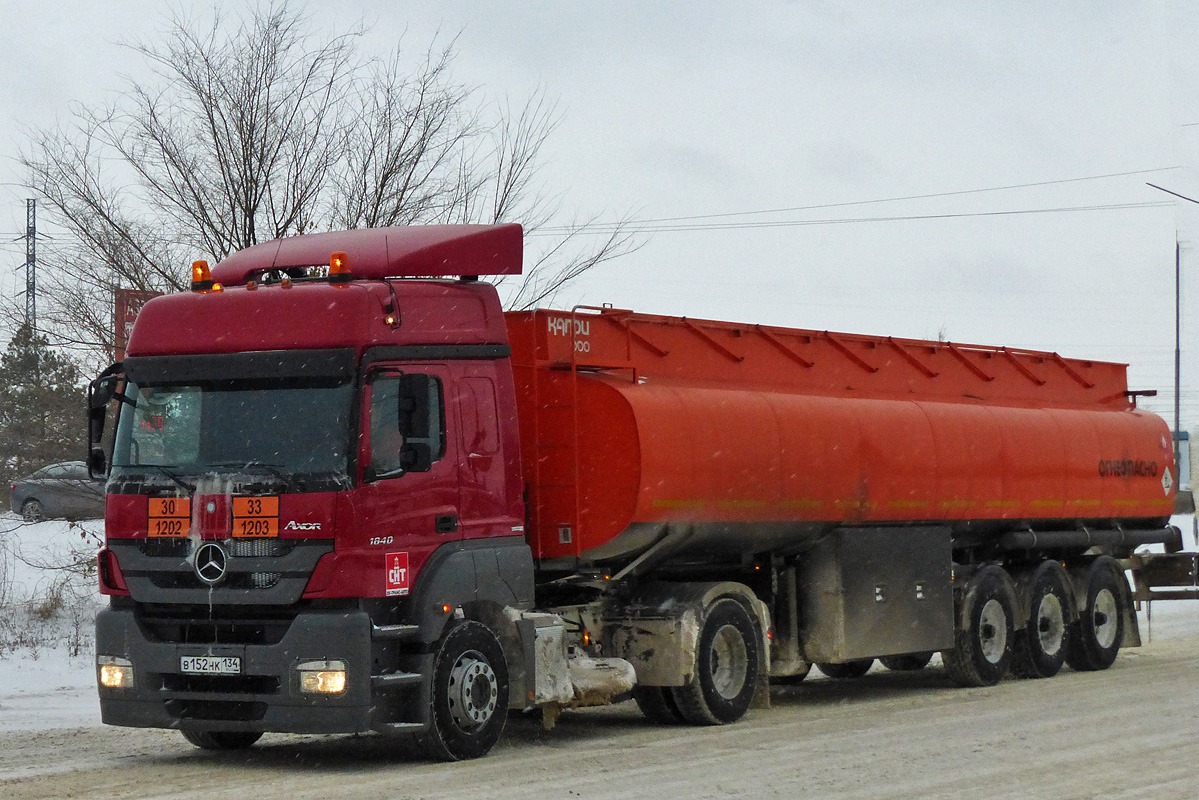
(469, 693)
(657, 704)
(850, 669)
(908, 662)
(985, 630)
(1096, 637)
(221, 740)
(726, 669)
(1041, 649)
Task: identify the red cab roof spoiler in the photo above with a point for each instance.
(415, 251)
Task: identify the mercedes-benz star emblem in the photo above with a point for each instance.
(211, 562)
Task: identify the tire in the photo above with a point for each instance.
(469, 694)
(791, 680)
(32, 511)
(657, 704)
(1096, 636)
(908, 662)
(985, 629)
(726, 669)
(1042, 646)
(850, 669)
(221, 740)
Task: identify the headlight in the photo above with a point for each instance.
(114, 672)
(322, 677)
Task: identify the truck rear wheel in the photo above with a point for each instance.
(1096, 637)
(850, 669)
(984, 631)
(907, 662)
(726, 669)
(657, 704)
(1041, 649)
(469, 693)
(221, 740)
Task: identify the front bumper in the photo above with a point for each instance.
(264, 697)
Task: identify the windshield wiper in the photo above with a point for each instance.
(274, 469)
(189, 489)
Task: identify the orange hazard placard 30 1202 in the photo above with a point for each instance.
(169, 516)
(255, 517)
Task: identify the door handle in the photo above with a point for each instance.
(446, 523)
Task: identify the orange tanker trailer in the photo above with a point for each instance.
(882, 497)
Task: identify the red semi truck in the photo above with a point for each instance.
(347, 492)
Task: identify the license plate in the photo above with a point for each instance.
(210, 665)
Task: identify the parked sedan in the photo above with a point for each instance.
(61, 490)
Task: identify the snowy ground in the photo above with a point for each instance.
(48, 596)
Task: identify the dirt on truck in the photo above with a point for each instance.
(347, 492)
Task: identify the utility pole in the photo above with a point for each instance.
(31, 264)
(1177, 435)
(1177, 348)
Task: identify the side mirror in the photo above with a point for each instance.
(100, 393)
(416, 457)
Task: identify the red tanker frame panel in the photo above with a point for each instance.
(631, 421)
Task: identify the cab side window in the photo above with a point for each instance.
(407, 423)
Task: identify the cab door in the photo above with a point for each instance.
(485, 472)
(409, 459)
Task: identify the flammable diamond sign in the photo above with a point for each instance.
(397, 576)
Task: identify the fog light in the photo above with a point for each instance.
(115, 673)
(322, 677)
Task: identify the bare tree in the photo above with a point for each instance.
(254, 128)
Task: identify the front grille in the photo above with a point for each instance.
(222, 684)
(181, 547)
(188, 580)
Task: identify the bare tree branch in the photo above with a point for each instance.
(254, 128)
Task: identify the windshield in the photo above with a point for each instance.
(293, 429)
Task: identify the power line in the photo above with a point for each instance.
(651, 227)
(903, 198)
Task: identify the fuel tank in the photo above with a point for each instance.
(749, 438)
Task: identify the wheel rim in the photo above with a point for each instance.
(33, 511)
(1105, 618)
(1051, 625)
(992, 631)
(729, 662)
(474, 690)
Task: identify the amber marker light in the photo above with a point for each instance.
(339, 267)
(201, 276)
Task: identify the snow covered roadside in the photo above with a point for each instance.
(48, 600)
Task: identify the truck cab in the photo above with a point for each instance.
(314, 479)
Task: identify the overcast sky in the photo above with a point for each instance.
(681, 109)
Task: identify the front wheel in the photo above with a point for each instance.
(221, 740)
(726, 669)
(1096, 637)
(470, 693)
